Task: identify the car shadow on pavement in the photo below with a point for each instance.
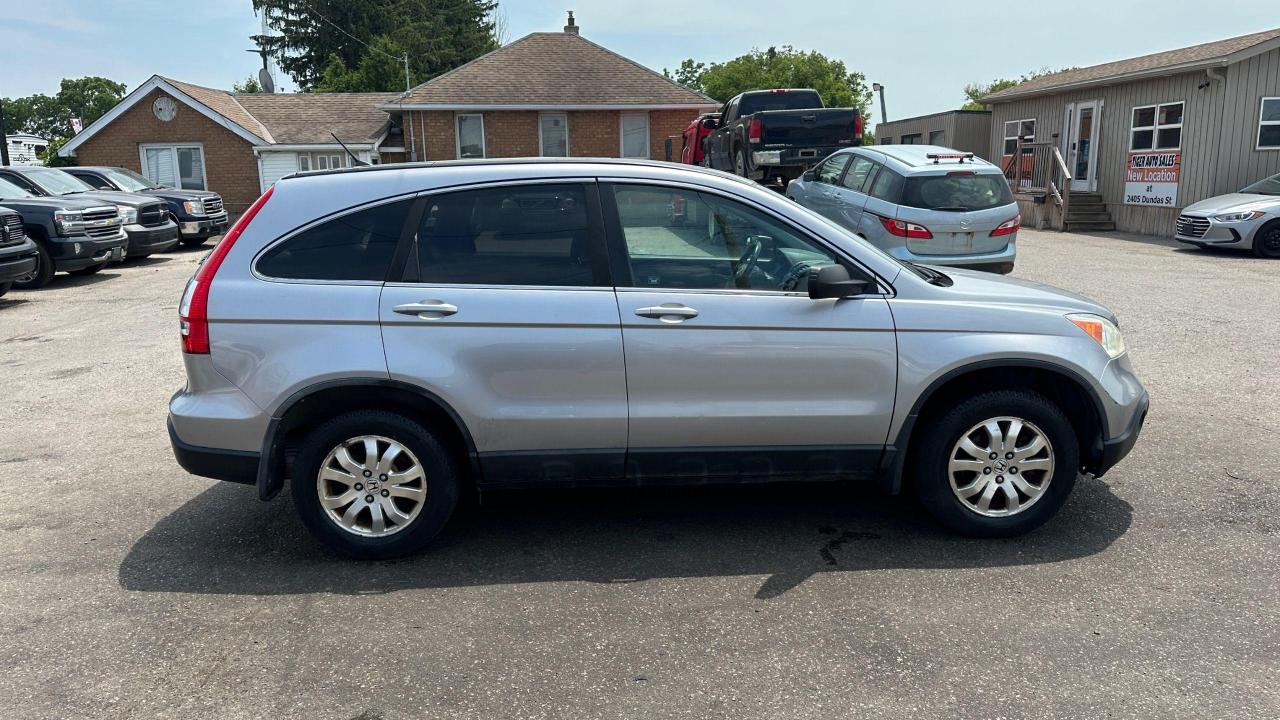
(226, 541)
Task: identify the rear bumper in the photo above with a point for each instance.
(204, 227)
(147, 240)
(231, 465)
(17, 261)
(998, 262)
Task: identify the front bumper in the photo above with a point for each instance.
(203, 227)
(81, 251)
(1220, 234)
(1115, 449)
(146, 240)
(17, 261)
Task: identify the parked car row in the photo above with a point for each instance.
(81, 219)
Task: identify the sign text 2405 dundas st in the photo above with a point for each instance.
(1151, 178)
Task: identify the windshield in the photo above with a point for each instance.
(129, 180)
(956, 192)
(1266, 186)
(57, 182)
(8, 191)
(788, 100)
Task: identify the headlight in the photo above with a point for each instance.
(1238, 217)
(128, 216)
(194, 207)
(67, 220)
(1102, 330)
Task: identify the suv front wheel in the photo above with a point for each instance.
(998, 464)
(374, 485)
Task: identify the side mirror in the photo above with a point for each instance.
(809, 175)
(711, 123)
(833, 281)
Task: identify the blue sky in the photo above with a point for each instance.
(924, 52)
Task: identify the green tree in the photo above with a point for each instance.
(783, 67)
(87, 98)
(248, 85)
(438, 35)
(974, 92)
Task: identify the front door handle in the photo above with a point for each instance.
(427, 309)
(668, 312)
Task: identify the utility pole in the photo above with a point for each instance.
(4, 139)
(884, 114)
(413, 142)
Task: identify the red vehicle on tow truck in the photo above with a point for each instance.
(693, 152)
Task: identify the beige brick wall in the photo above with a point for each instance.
(230, 165)
(508, 133)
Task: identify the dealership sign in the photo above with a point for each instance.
(1151, 178)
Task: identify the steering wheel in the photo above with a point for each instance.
(750, 256)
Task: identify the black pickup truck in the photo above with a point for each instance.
(71, 234)
(18, 255)
(198, 213)
(772, 136)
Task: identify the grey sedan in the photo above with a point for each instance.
(1249, 219)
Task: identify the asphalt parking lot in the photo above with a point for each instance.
(130, 589)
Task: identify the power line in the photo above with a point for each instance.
(353, 37)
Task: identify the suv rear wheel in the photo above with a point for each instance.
(374, 484)
(998, 464)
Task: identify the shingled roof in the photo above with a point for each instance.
(550, 69)
(223, 103)
(1196, 57)
(308, 118)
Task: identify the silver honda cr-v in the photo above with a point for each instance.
(388, 338)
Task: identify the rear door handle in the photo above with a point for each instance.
(427, 309)
(668, 312)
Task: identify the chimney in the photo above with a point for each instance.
(571, 28)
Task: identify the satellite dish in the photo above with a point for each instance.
(264, 79)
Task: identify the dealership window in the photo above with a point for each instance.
(1156, 127)
(1269, 124)
(937, 137)
(320, 161)
(470, 136)
(635, 135)
(176, 166)
(1018, 129)
(553, 135)
(912, 139)
(886, 140)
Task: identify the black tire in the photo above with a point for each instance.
(740, 166)
(932, 454)
(42, 274)
(4, 288)
(1266, 244)
(91, 270)
(193, 241)
(442, 478)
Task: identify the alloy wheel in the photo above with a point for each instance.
(1001, 466)
(371, 486)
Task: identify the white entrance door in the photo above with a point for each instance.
(1081, 144)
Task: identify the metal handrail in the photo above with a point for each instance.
(1039, 167)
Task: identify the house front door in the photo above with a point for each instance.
(1081, 144)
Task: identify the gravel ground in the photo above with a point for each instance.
(129, 589)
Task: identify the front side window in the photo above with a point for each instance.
(1015, 130)
(175, 166)
(470, 136)
(829, 171)
(516, 235)
(356, 246)
(553, 134)
(635, 135)
(1269, 124)
(1156, 127)
(713, 244)
(859, 174)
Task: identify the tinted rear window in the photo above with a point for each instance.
(779, 101)
(357, 246)
(959, 193)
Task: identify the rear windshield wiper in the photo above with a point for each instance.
(952, 209)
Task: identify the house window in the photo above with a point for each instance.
(886, 140)
(470, 136)
(1018, 129)
(321, 161)
(1269, 124)
(177, 166)
(1156, 127)
(912, 139)
(635, 135)
(937, 137)
(553, 135)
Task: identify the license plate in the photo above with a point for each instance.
(117, 254)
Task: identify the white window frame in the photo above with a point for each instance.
(541, 150)
(1004, 130)
(1265, 123)
(301, 158)
(622, 135)
(457, 135)
(1155, 127)
(204, 159)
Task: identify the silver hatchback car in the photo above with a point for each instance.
(387, 338)
(921, 203)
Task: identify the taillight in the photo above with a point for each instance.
(857, 127)
(1008, 227)
(193, 313)
(905, 229)
(753, 131)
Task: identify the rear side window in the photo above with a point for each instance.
(356, 246)
(956, 192)
(887, 186)
(516, 235)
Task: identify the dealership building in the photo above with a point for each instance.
(1144, 137)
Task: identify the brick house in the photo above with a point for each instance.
(546, 94)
